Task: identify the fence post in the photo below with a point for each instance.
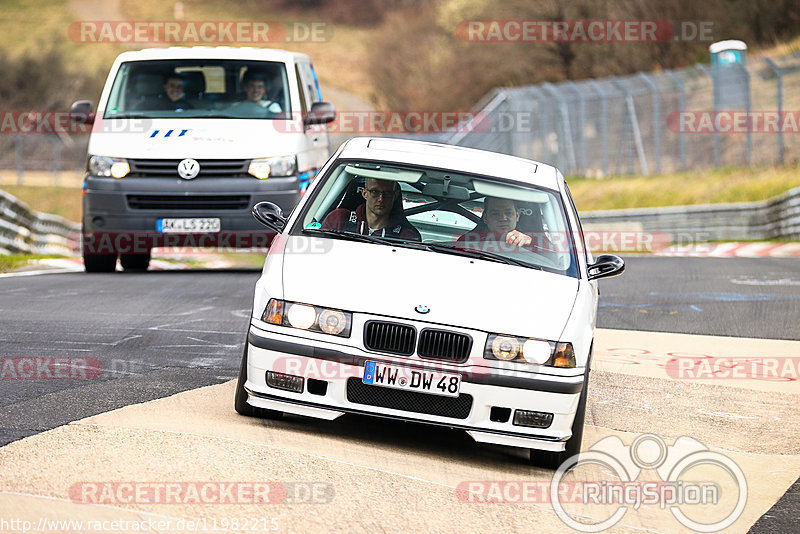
(541, 102)
(656, 118)
(603, 123)
(779, 87)
(749, 132)
(565, 127)
(682, 104)
(18, 156)
(705, 70)
(581, 127)
(637, 134)
(55, 178)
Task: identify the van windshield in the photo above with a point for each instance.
(203, 88)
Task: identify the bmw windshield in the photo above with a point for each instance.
(444, 212)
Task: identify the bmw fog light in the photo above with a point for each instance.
(532, 419)
(285, 382)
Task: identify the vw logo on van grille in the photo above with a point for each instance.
(188, 168)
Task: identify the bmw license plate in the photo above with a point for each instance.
(412, 379)
(188, 226)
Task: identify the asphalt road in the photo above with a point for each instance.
(139, 337)
(740, 297)
(153, 334)
(158, 333)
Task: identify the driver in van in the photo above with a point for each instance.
(172, 99)
(500, 218)
(375, 216)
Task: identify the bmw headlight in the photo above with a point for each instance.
(308, 317)
(529, 350)
(103, 166)
(279, 166)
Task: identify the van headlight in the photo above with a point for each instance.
(308, 317)
(529, 350)
(279, 166)
(104, 166)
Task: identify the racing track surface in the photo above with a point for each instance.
(156, 334)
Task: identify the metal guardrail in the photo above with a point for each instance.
(24, 231)
(778, 218)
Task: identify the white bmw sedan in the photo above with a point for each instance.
(429, 283)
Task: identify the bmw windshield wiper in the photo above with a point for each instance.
(366, 238)
(481, 254)
(340, 235)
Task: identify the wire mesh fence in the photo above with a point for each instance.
(649, 123)
(645, 123)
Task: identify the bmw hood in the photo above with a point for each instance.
(192, 138)
(458, 291)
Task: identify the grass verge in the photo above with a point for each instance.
(63, 201)
(700, 187)
(12, 262)
(686, 188)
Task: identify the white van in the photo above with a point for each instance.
(185, 141)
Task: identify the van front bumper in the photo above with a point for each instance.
(341, 369)
(122, 214)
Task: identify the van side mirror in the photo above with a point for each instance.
(270, 215)
(81, 112)
(320, 113)
(605, 266)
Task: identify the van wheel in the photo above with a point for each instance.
(135, 262)
(99, 263)
(240, 401)
(551, 459)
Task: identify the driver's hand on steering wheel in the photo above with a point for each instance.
(515, 237)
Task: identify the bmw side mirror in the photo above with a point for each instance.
(270, 215)
(320, 113)
(605, 266)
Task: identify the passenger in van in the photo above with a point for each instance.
(499, 227)
(381, 214)
(172, 99)
(257, 104)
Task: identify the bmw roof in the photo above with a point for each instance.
(462, 159)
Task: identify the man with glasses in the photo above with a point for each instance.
(378, 215)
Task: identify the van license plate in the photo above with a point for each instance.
(412, 379)
(188, 226)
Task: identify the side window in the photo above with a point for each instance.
(310, 82)
(303, 99)
(586, 251)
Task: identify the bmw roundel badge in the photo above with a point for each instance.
(422, 309)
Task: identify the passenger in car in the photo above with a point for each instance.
(378, 215)
(257, 104)
(499, 227)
